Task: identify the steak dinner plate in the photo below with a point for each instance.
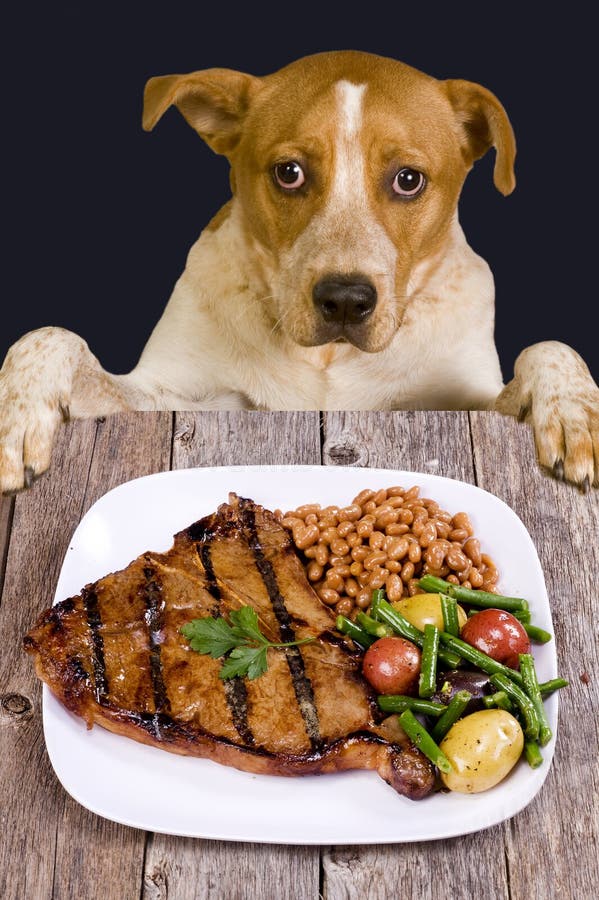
(148, 788)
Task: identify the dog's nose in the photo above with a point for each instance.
(346, 301)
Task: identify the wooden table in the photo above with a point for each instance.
(52, 847)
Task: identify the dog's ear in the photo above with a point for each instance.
(213, 101)
(485, 124)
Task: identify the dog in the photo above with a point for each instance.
(337, 276)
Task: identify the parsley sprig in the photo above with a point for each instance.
(242, 640)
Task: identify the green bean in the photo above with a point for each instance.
(536, 634)
(346, 626)
(376, 629)
(533, 754)
(527, 708)
(531, 686)
(523, 615)
(386, 613)
(456, 708)
(397, 703)
(554, 684)
(449, 608)
(427, 681)
(422, 739)
(499, 700)
(478, 658)
(433, 585)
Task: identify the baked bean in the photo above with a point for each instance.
(376, 540)
(377, 558)
(363, 598)
(329, 596)
(306, 509)
(467, 585)
(322, 555)
(462, 520)
(394, 587)
(314, 572)
(435, 554)
(306, 536)
(397, 529)
(344, 607)
(456, 560)
(363, 497)
(385, 538)
(428, 534)
(351, 587)
(359, 554)
(472, 550)
(350, 513)
(407, 572)
(414, 553)
(339, 547)
(475, 578)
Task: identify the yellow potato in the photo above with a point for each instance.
(482, 749)
(425, 609)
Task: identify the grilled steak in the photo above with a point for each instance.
(114, 655)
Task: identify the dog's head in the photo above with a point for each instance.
(347, 168)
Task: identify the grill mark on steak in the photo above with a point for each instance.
(235, 689)
(301, 683)
(155, 621)
(94, 621)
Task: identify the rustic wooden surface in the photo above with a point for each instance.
(50, 847)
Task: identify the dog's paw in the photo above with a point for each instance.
(554, 391)
(35, 384)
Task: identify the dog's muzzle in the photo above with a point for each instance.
(344, 300)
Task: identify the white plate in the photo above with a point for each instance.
(151, 789)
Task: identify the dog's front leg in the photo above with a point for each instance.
(553, 389)
(49, 376)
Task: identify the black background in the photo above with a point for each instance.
(99, 216)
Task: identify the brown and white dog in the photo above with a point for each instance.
(337, 277)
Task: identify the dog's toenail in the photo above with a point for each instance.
(586, 485)
(558, 469)
(29, 476)
(524, 411)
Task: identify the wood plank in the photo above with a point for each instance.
(197, 869)
(7, 505)
(245, 438)
(562, 822)
(90, 850)
(438, 443)
(435, 443)
(188, 869)
(44, 519)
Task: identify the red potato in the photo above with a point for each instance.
(392, 666)
(498, 634)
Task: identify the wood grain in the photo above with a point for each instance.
(245, 438)
(92, 851)
(182, 869)
(31, 797)
(562, 822)
(437, 444)
(7, 505)
(53, 848)
(186, 869)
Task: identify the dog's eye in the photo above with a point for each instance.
(408, 182)
(289, 175)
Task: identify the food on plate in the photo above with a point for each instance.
(387, 538)
(115, 656)
(482, 749)
(498, 634)
(426, 609)
(392, 665)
